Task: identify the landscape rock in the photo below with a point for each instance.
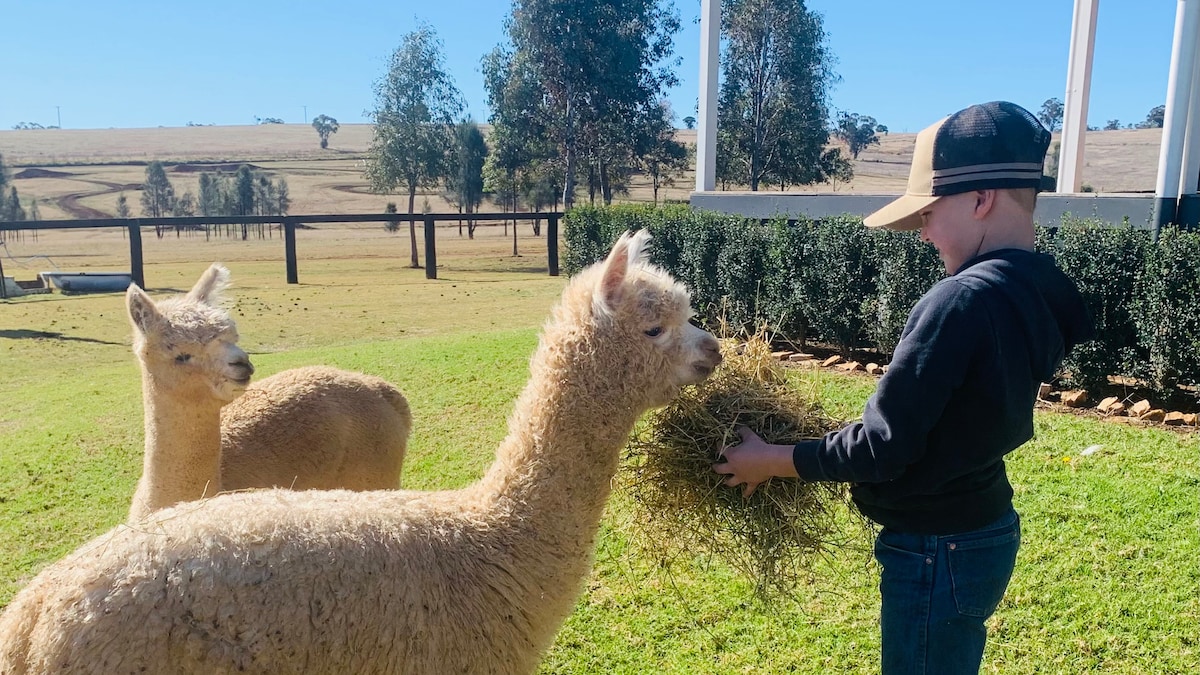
(782, 355)
(832, 361)
(1115, 409)
(1074, 399)
(1140, 408)
(1044, 390)
(1173, 418)
(1155, 415)
(874, 369)
(801, 356)
(1191, 419)
(1107, 403)
(850, 366)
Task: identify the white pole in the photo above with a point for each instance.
(706, 126)
(1170, 156)
(1079, 85)
(1190, 171)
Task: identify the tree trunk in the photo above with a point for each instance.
(412, 225)
(605, 185)
(569, 182)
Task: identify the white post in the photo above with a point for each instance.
(706, 126)
(1190, 171)
(1170, 156)
(1079, 85)
(1187, 213)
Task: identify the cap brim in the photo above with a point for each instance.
(902, 214)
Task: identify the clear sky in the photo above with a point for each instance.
(127, 63)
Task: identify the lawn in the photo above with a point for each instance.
(1108, 575)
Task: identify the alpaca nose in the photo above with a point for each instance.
(712, 349)
(244, 364)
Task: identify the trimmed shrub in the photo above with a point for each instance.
(1106, 264)
(907, 269)
(1167, 312)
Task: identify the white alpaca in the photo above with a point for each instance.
(476, 580)
(191, 366)
(312, 427)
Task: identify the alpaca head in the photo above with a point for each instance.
(188, 343)
(645, 315)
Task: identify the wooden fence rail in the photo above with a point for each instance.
(289, 224)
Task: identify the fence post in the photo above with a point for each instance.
(430, 248)
(135, 253)
(552, 243)
(289, 249)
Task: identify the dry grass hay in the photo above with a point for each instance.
(770, 537)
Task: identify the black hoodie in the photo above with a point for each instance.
(928, 455)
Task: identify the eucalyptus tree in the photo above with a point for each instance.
(416, 104)
(592, 61)
(465, 183)
(158, 196)
(325, 126)
(662, 157)
(773, 111)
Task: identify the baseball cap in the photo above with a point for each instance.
(986, 146)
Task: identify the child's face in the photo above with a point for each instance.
(950, 225)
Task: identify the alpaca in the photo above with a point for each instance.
(191, 366)
(312, 427)
(475, 580)
(315, 428)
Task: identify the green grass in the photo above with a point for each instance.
(1107, 579)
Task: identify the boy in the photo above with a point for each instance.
(926, 461)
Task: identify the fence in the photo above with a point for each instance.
(289, 225)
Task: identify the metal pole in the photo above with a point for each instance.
(135, 254)
(706, 126)
(1079, 84)
(552, 244)
(430, 249)
(3, 283)
(1183, 56)
(289, 250)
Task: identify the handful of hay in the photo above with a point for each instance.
(769, 537)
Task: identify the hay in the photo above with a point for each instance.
(770, 537)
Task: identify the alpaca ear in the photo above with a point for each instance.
(143, 313)
(612, 282)
(211, 284)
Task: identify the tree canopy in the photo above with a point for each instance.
(325, 126)
(858, 131)
(594, 66)
(1051, 114)
(772, 114)
(416, 105)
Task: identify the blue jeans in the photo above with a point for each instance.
(937, 593)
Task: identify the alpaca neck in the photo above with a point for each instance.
(182, 459)
(553, 473)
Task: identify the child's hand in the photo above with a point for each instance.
(754, 461)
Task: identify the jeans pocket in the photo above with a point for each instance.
(980, 570)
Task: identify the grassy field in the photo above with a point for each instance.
(1106, 581)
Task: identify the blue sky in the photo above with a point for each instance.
(146, 64)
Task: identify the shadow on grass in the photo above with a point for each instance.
(23, 334)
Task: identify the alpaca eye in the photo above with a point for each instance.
(183, 358)
(654, 332)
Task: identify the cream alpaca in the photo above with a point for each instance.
(315, 428)
(312, 427)
(474, 580)
(191, 366)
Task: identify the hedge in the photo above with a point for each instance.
(836, 282)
